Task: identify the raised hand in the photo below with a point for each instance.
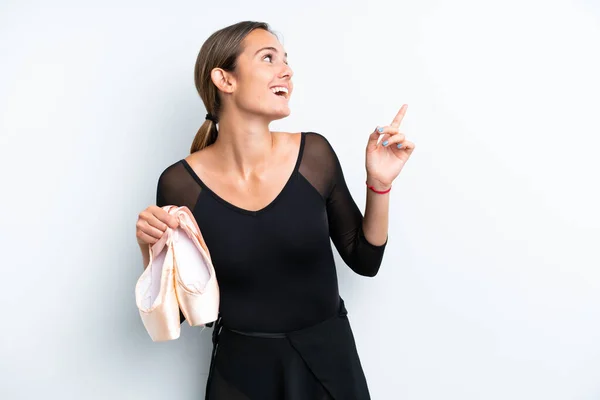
(385, 160)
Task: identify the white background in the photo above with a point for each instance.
(489, 288)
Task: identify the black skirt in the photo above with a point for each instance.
(316, 363)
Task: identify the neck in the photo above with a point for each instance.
(244, 144)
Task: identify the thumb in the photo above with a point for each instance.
(374, 137)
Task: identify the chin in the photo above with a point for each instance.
(280, 114)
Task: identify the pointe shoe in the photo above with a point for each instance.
(195, 280)
(155, 294)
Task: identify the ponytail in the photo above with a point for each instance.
(207, 134)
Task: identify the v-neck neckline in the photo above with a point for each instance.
(243, 210)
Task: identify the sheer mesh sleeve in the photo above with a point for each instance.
(177, 187)
(321, 167)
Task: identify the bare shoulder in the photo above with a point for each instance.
(289, 140)
(200, 159)
(287, 135)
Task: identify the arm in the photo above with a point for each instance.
(360, 241)
(376, 221)
(384, 161)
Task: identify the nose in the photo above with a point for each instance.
(286, 71)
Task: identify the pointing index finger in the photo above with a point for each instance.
(398, 119)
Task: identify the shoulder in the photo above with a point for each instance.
(201, 162)
(314, 146)
(296, 137)
(172, 176)
(288, 143)
(316, 137)
(318, 146)
(199, 157)
(170, 171)
(287, 138)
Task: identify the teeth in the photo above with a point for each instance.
(279, 89)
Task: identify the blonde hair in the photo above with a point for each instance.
(221, 50)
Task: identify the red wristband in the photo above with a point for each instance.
(378, 191)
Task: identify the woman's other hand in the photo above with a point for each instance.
(152, 223)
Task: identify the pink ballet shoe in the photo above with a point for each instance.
(179, 275)
(195, 280)
(155, 294)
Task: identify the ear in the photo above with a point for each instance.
(223, 80)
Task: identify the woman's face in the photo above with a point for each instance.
(263, 79)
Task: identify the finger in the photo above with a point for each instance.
(162, 216)
(383, 133)
(406, 147)
(400, 116)
(398, 138)
(375, 135)
(144, 238)
(152, 218)
(388, 130)
(143, 226)
(388, 133)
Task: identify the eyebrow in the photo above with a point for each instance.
(270, 48)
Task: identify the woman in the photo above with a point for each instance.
(267, 204)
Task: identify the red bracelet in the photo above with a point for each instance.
(378, 191)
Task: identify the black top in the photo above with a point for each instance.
(275, 266)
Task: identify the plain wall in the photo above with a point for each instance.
(489, 288)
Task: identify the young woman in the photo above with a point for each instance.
(267, 204)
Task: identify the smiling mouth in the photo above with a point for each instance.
(281, 92)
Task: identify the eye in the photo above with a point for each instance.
(270, 56)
